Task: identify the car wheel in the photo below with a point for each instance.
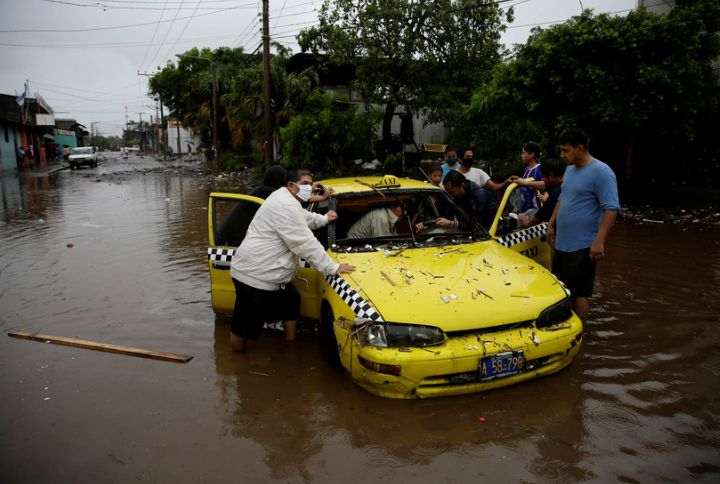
(327, 337)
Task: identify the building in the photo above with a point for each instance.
(26, 131)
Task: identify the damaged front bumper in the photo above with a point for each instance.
(459, 365)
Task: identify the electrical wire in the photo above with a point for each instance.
(117, 27)
(157, 25)
(115, 44)
(101, 6)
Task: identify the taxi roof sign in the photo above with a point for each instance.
(387, 181)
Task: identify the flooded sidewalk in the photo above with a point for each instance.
(117, 254)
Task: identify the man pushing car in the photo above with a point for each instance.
(263, 266)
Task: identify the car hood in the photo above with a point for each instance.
(456, 288)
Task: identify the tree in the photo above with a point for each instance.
(426, 56)
(245, 104)
(328, 134)
(185, 87)
(634, 83)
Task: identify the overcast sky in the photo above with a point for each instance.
(83, 56)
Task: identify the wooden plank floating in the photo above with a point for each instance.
(109, 348)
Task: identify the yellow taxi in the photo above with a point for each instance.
(442, 311)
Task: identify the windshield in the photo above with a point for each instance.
(399, 219)
(81, 151)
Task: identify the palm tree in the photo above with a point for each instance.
(245, 104)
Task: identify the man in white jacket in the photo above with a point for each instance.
(263, 266)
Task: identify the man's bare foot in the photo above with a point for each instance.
(238, 343)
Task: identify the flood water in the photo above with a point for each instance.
(117, 254)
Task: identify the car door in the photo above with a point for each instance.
(229, 216)
(529, 241)
(309, 281)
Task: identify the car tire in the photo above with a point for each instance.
(327, 337)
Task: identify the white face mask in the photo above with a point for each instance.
(304, 193)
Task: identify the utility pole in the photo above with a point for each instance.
(266, 84)
(163, 124)
(177, 125)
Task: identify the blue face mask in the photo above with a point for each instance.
(452, 160)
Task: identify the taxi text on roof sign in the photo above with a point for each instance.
(388, 181)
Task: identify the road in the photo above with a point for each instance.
(117, 255)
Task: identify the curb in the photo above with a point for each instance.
(55, 170)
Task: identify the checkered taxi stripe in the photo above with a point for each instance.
(221, 257)
(536, 231)
(360, 307)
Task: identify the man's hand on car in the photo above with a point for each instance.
(344, 268)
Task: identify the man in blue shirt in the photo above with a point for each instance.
(583, 218)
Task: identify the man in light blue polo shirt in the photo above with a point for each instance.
(583, 218)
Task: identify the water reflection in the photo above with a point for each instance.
(285, 398)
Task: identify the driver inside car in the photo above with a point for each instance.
(378, 222)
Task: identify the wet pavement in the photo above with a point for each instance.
(117, 254)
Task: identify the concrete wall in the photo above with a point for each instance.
(9, 138)
(64, 139)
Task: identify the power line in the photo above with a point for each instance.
(147, 51)
(101, 6)
(281, 11)
(167, 32)
(117, 27)
(183, 32)
(114, 44)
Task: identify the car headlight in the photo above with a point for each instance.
(557, 313)
(391, 335)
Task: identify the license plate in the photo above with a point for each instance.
(502, 364)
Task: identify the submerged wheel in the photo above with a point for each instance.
(327, 337)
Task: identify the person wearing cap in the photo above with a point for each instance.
(265, 263)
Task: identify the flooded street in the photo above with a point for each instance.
(117, 255)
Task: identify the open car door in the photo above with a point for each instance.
(309, 281)
(529, 241)
(229, 216)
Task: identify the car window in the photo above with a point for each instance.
(231, 219)
(418, 206)
(321, 233)
(81, 151)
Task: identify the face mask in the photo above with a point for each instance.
(304, 193)
(468, 161)
(451, 160)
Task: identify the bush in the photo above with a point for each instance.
(327, 135)
(229, 161)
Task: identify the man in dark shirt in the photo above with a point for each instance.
(471, 198)
(553, 171)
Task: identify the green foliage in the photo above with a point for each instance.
(628, 81)
(327, 135)
(427, 56)
(185, 87)
(245, 103)
(107, 142)
(229, 161)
